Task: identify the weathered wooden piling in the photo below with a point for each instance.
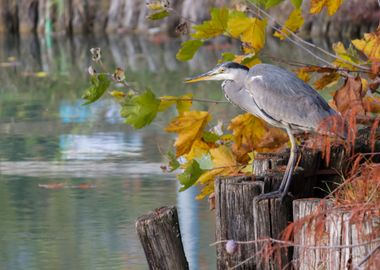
(160, 237)
(234, 218)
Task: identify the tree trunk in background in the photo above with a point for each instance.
(9, 16)
(28, 16)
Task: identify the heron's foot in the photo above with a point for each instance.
(271, 195)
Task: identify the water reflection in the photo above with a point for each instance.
(47, 137)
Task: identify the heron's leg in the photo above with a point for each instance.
(287, 177)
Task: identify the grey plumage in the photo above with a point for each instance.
(278, 97)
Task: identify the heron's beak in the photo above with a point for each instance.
(202, 77)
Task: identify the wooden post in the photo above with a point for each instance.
(234, 219)
(160, 237)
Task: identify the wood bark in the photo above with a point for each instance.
(160, 237)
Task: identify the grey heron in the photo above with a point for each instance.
(278, 97)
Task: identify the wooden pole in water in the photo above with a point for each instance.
(160, 237)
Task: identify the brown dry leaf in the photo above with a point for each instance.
(326, 80)
(369, 45)
(350, 96)
(189, 127)
(371, 104)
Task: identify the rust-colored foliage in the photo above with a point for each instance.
(350, 96)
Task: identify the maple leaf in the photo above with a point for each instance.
(213, 27)
(249, 30)
(350, 96)
(348, 55)
(224, 163)
(369, 45)
(303, 74)
(292, 24)
(332, 6)
(189, 127)
(198, 149)
(251, 133)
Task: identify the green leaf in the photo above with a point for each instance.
(100, 83)
(227, 56)
(272, 3)
(158, 15)
(188, 49)
(296, 3)
(210, 137)
(190, 175)
(173, 162)
(213, 27)
(140, 110)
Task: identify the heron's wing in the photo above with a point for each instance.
(285, 98)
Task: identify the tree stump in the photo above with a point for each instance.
(234, 219)
(160, 237)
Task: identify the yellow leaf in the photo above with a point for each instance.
(303, 75)
(369, 45)
(326, 80)
(251, 133)
(206, 191)
(41, 74)
(249, 30)
(166, 102)
(197, 150)
(332, 6)
(292, 24)
(341, 51)
(183, 103)
(189, 127)
(247, 60)
(371, 104)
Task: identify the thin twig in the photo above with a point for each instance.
(304, 41)
(366, 258)
(288, 243)
(194, 99)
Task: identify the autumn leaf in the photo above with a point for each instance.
(249, 30)
(348, 55)
(292, 24)
(303, 74)
(369, 45)
(188, 49)
(224, 163)
(183, 103)
(213, 27)
(140, 110)
(332, 6)
(189, 127)
(198, 149)
(350, 96)
(326, 80)
(371, 104)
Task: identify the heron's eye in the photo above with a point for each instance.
(222, 70)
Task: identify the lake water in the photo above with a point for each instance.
(101, 174)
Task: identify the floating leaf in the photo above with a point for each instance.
(292, 24)
(100, 83)
(189, 127)
(369, 45)
(188, 49)
(332, 6)
(213, 27)
(159, 15)
(350, 96)
(190, 175)
(140, 110)
(326, 80)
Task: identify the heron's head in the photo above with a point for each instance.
(226, 71)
